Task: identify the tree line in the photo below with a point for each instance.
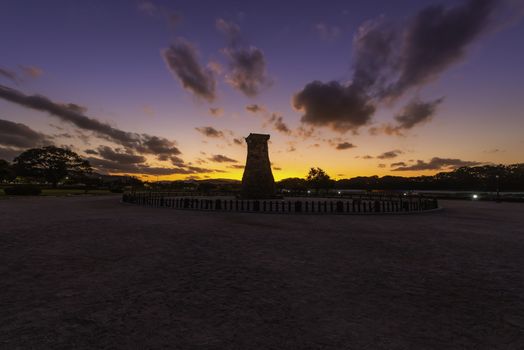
(487, 178)
(55, 165)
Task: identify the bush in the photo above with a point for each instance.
(23, 190)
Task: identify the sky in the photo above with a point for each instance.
(168, 90)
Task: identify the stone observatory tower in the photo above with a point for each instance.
(257, 181)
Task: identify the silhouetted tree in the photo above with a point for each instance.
(6, 171)
(52, 164)
(319, 179)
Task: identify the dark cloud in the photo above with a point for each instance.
(111, 166)
(344, 107)
(274, 120)
(20, 135)
(110, 154)
(76, 108)
(367, 157)
(74, 114)
(182, 60)
(6, 73)
(219, 158)
(390, 154)
(374, 45)
(438, 37)
(236, 166)
(108, 166)
(276, 168)
(190, 169)
(177, 161)
(84, 137)
(29, 72)
(382, 165)
(90, 151)
(391, 59)
(416, 112)
(209, 131)
(254, 108)
(304, 132)
(156, 145)
(437, 164)
(335, 105)
(398, 164)
(247, 64)
(217, 112)
(64, 135)
(247, 70)
(278, 123)
(345, 145)
(148, 170)
(238, 141)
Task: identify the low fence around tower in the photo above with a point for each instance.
(289, 205)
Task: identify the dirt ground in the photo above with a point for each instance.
(91, 273)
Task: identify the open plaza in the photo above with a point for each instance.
(89, 272)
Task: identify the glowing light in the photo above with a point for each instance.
(475, 196)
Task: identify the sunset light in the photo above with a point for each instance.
(255, 175)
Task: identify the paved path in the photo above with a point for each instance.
(91, 273)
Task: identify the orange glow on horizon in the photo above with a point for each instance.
(281, 174)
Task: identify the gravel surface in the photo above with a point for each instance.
(91, 273)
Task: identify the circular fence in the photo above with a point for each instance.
(286, 206)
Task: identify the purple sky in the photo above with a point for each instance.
(438, 84)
